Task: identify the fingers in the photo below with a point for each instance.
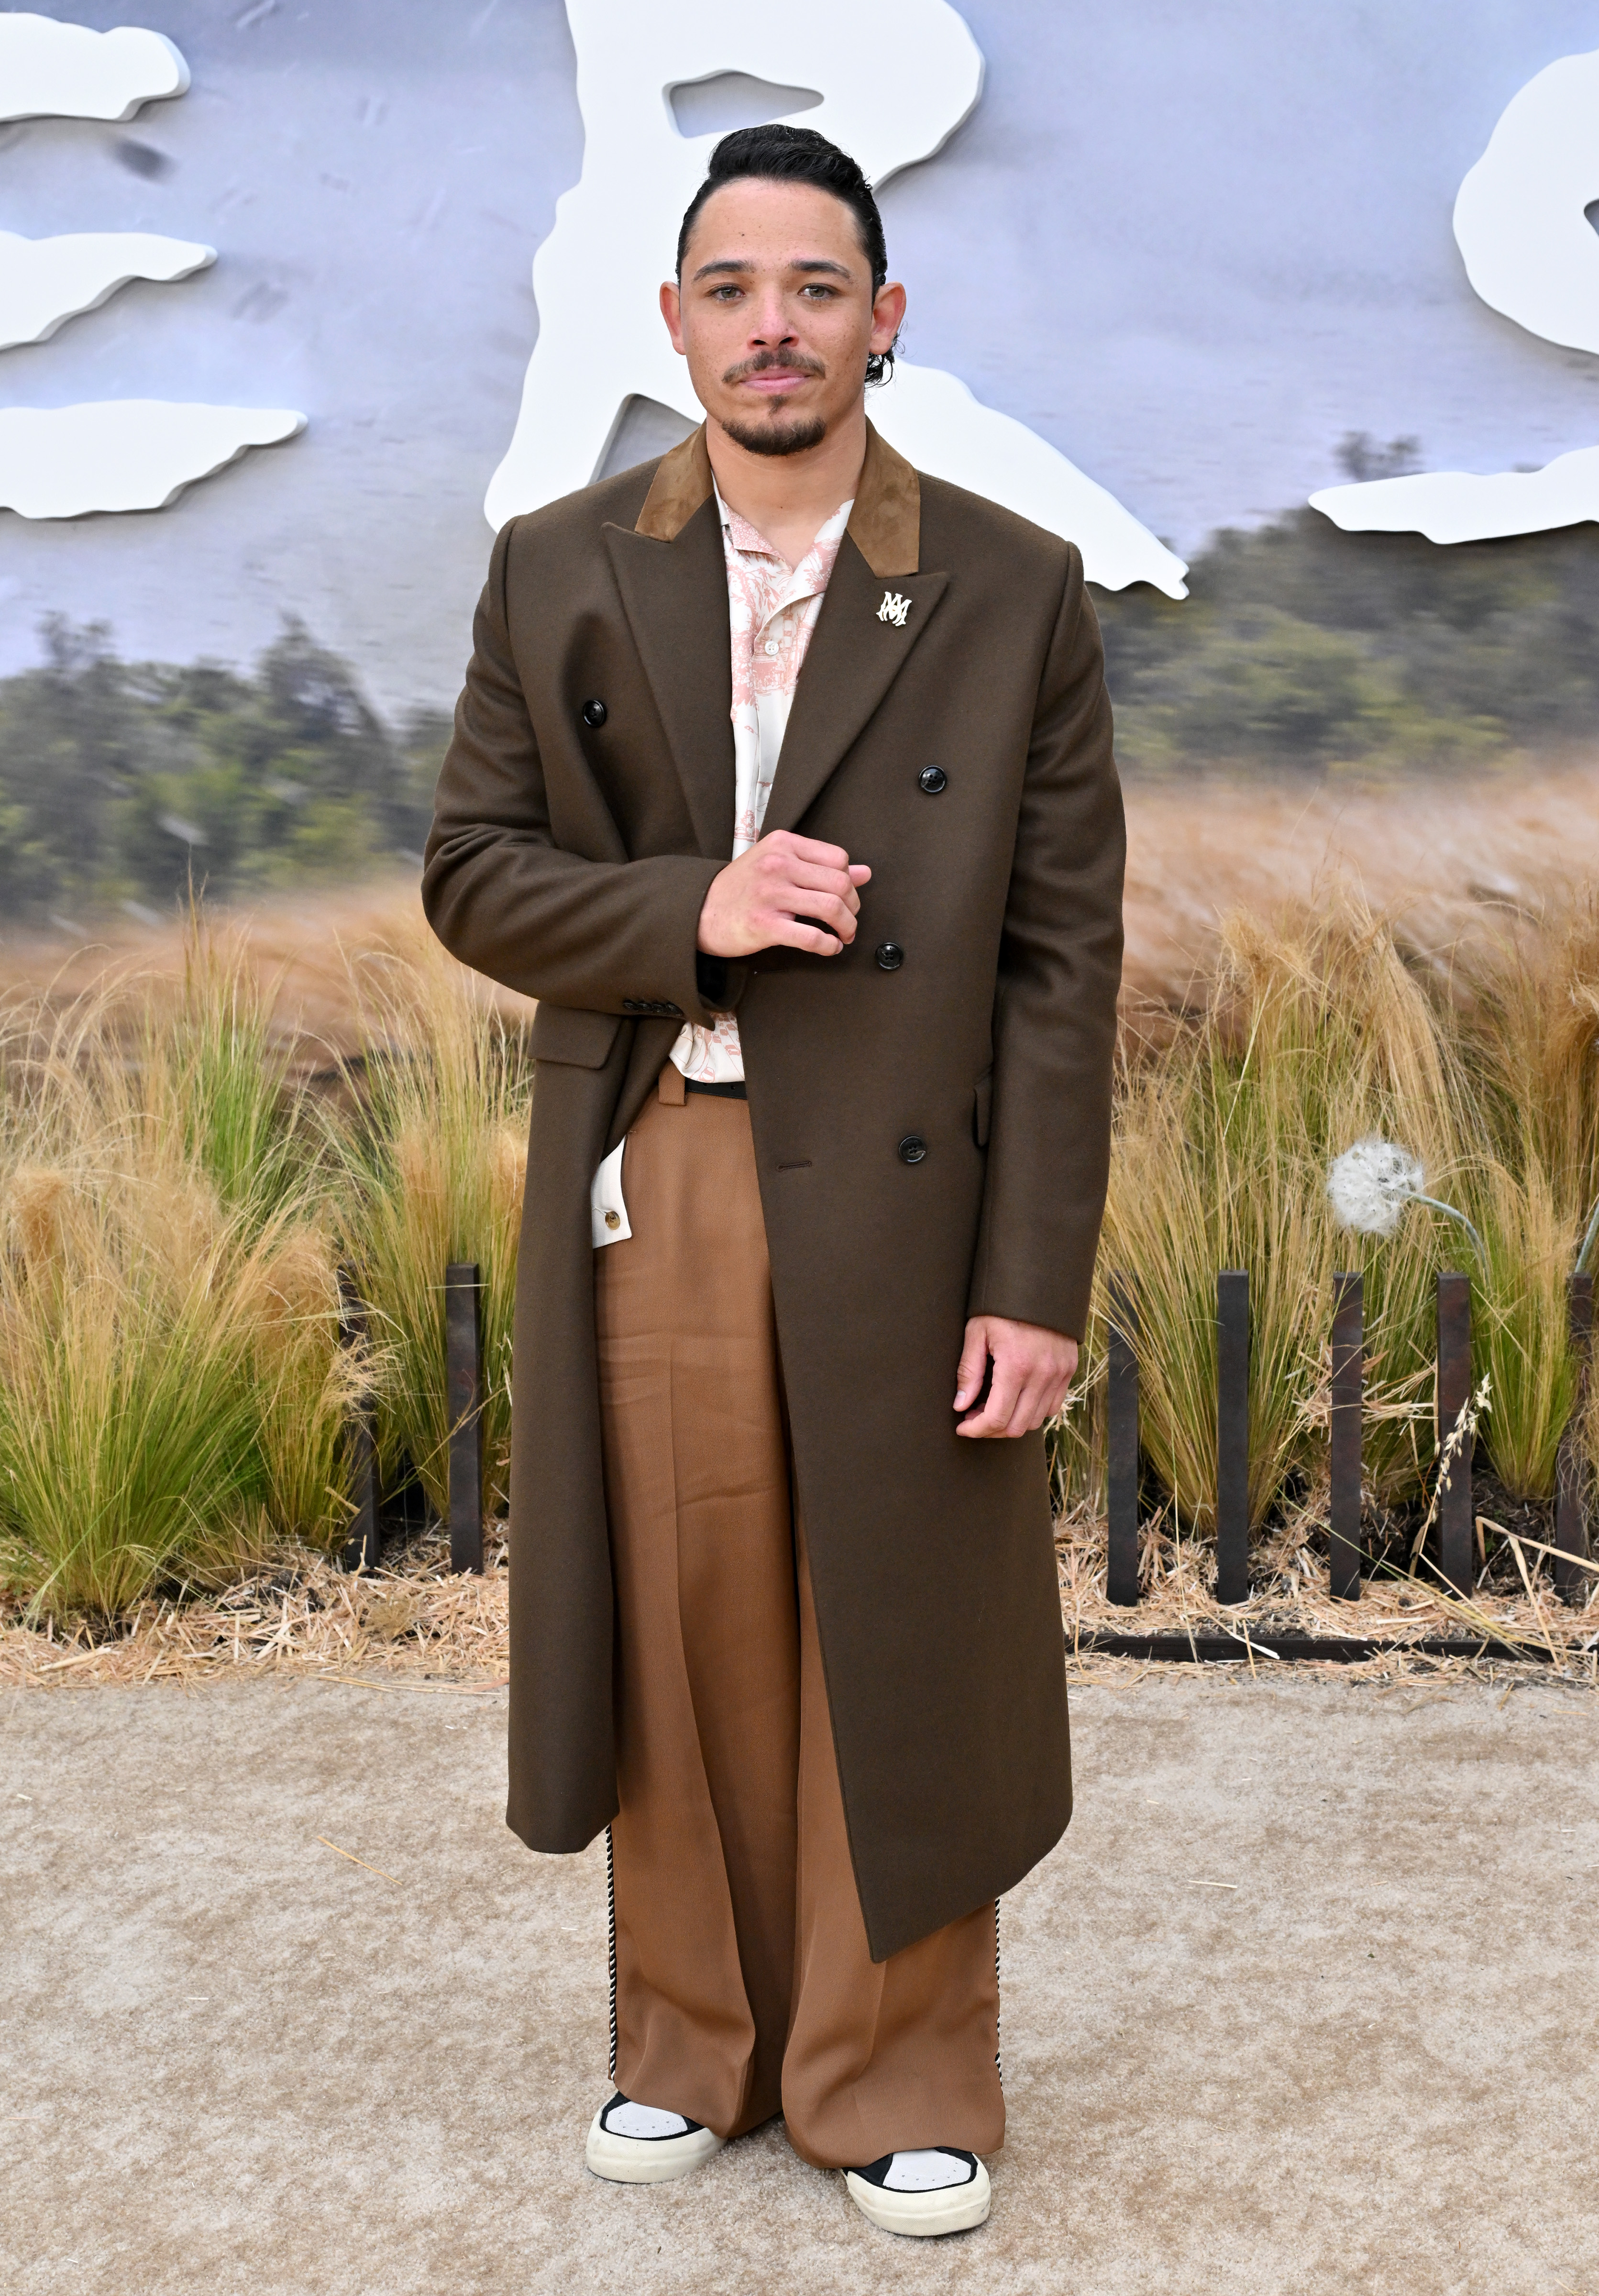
(807, 849)
(797, 857)
(785, 892)
(1004, 1386)
(1030, 1379)
(970, 1370)
(808, 878)
(798, 932)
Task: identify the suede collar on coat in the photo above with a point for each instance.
(670, 569)
(885, 525)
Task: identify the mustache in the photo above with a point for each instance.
(793, 362)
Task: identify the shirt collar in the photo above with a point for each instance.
(743, 537)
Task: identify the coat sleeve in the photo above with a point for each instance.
(1060, 968)
(610, 936)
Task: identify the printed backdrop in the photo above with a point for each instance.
(1192, 247)
(1204, 252)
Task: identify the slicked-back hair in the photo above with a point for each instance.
(777, 154)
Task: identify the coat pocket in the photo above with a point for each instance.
(982, 1104)
(576, 1038)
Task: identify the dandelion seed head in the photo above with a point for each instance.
(1369, 1185)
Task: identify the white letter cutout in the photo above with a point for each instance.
(1529, 251)
(897, 77)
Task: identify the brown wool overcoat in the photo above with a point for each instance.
(570, 860)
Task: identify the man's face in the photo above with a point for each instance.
(776, 315)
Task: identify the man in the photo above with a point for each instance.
(782, 779)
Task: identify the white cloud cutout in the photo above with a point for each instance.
(66, 72)
(1464, 506)
(123, 453)
(45, 282)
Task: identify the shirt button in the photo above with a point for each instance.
(770, 647)
(890, 956)
(912, 1148)
(933, 779)
(614, 1219)
(595, 712)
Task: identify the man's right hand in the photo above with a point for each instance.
(759, 900)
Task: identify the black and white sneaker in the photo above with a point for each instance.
(633, 2143)
(922, 2193)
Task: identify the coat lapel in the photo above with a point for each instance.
(853, 658)
(672, 574)
(876, 608)
(673, 577)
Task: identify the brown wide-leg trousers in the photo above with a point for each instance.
(744, 1985)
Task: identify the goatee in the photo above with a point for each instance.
(778, 438)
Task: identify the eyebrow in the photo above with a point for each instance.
(738, 263)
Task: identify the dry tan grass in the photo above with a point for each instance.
(1452, 859)
(1291, 1596)
(1465, 866)
(307, 949)
(414, 1623)
(300, 1614)
(1453, 856)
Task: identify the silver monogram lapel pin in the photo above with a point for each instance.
(894, 609)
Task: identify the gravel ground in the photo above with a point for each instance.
(1362, 2058)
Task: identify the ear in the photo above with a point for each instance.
(671, 311)
(887, 314)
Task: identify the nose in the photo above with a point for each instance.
(771, 326)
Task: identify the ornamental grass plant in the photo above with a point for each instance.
(1318, 1028)
(172, 1390)
(431, 1170)
(180, 1190)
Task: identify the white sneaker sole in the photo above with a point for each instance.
(922, 2215)
(648, 2159)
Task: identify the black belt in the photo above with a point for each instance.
(721, 1091)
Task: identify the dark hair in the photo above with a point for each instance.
(777, 154)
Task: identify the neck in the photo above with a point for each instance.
(790, 497)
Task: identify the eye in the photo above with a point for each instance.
(823, 292)
(725, 293)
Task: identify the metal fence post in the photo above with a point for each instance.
(1121, 1442)
(362, 1545)
(1454, 1392)
(1232, 1435)
(1571, 1487)
(1348, 1367)
(463, 1384)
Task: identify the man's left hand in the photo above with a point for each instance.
(1033, 1368)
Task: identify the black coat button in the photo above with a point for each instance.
(933, 779)
(912, 1148)
(890, 956)
(595, 712)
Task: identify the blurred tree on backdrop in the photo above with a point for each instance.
(1304, 648)
(1301, 650)
(121, 780)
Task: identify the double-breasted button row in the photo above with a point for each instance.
(595, 712)
(652, 1005)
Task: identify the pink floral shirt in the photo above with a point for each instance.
(772, 609)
